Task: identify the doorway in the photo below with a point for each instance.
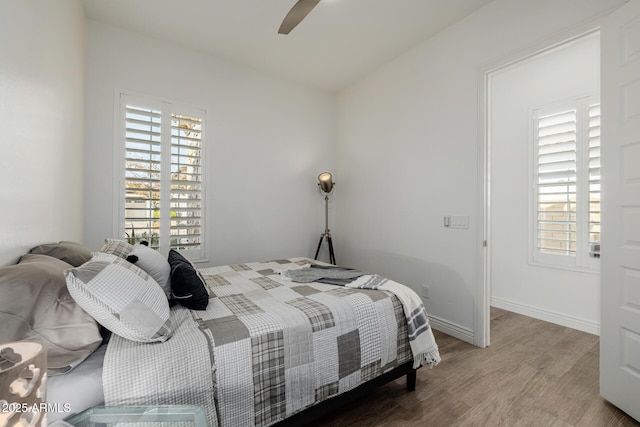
(517, 279)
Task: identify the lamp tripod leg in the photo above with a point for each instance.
(319, 245)
(332, 255)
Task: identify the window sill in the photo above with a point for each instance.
(587, 270)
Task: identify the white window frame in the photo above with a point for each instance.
(582, 261)
(167, 108)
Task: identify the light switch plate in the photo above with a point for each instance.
(459, 221)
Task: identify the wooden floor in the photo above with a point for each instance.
(534, 374)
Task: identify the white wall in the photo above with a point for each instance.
(41, 117)
(414, 124)
(267, 140)
(563, 296)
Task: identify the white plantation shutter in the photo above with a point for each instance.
(566, 183)
(142, 174)
(556, 179)
(186, 181)
(163, 175)
(594, 173)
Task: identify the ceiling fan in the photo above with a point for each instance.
(296, 15)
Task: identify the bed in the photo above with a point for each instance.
(266, 349)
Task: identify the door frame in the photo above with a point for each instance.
(482, 297)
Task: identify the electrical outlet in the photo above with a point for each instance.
(425, 291)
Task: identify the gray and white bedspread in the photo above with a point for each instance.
(264, 349)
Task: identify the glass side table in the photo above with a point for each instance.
(151, 416)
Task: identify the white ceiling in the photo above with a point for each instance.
(337, 43)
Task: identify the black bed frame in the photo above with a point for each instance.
(327, 406)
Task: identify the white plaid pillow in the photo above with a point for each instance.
(121, 297)
(116, 247)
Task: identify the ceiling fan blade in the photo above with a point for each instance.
(296, 15)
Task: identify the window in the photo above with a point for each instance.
(566, 183)
(161, 195)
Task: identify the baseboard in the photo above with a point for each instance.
(452, 329)
(547, 315)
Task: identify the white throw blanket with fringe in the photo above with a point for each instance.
(421, 339)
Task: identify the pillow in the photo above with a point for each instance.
(186, 285)
(35, 305)
(116, 247)
(153, 263)
(70, 252)
(121, 297)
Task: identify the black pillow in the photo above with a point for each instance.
(186, 285)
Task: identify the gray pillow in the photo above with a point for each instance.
(35, 305)
(153, 263)
(122, 297)
(70, 252)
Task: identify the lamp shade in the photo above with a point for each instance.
(325, 182)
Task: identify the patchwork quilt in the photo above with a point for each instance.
(265, 348)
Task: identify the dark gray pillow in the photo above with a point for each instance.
(70, 252)
(35, 305)
(187, 287)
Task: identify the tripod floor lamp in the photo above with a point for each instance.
(326, 184)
